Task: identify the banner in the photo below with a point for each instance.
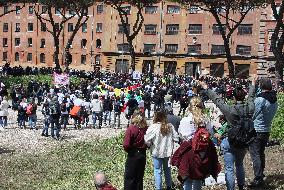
(136, 75)
(61, 78)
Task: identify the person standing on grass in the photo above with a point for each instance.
(135, 147)
(233, 156)
(265, 110)
(160, 137)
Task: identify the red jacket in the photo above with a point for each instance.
(190, 165)
(108, 187)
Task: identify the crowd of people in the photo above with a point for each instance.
(101, 103)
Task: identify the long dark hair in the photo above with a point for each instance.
(160, 116)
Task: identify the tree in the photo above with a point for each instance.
(9, 3)
(130, 35)
(77, 9)
(277, 39)
(229, 14)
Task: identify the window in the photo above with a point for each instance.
(218, 50)
(72, 12)
(42, 58)
(43, 9)
(195, 29)
(17, 56)
(5, 42)
(243, 50)
(30, 27)
(17, 41)
(42, 43)
(43, 27)
(100, 9)
(18, 27)
(172, 29)
(123, 47)
(57, 11)
(244, 29)
(171, 48)
(150, 29)
(5, 56)
(57, 27)
(149, 48)
(70, 27)
(151, 9)
(173, 9)
(126, 9)
(31, 10)
(216, 28)
(98, 43)
(193, 9)
(5, 27)
(83, 43)
(6, 9)
(83, 59)
(29, 57)
(99, 28)
(84, 27)
(30, 42)
(194, 49)
(121, 28)
(18, 10)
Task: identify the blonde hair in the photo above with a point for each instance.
(138, 119)
(196, 109)
(160, 116)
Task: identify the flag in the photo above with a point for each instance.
(61, 78)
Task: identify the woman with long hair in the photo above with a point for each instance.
(135, 147)
(160, 137)
(188, 131)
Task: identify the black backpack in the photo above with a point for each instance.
(243, 133)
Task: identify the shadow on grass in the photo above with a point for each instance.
(272, 182)
(6, 151)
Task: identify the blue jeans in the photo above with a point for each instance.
(107, 115)
(32, 121)
(3, 121)
(46, 126)
(233, 157)
(191, 184)
(95, 116)
(159, 164)
(55, 126)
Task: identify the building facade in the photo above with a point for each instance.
(173, 39)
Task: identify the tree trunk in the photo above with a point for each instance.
(231, 66)
(56, 53)
(132, 55)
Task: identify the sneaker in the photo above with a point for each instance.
(256, 183)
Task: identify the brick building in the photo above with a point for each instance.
(173, 39)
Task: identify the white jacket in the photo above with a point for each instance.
(96, 105)
(4, 108)
(160, 146)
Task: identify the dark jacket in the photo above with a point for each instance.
(134, 138)
(232, 112)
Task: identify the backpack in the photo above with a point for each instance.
(243, 133)
(29, 109)
(53, 109)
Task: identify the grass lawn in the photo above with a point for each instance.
(68, 167)
(72, 166)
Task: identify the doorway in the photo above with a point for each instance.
(121, 66)
(170, 67)
(217, 69)
(193, 69)
(148, 66)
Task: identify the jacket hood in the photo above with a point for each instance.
(270, 96)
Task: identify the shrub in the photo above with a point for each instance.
(277, 131)
(14, 80)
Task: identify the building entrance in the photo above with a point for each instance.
(121, 66)
(170, 67)
(193, 69)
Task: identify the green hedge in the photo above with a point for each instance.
(14, 80)
(278, 121)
